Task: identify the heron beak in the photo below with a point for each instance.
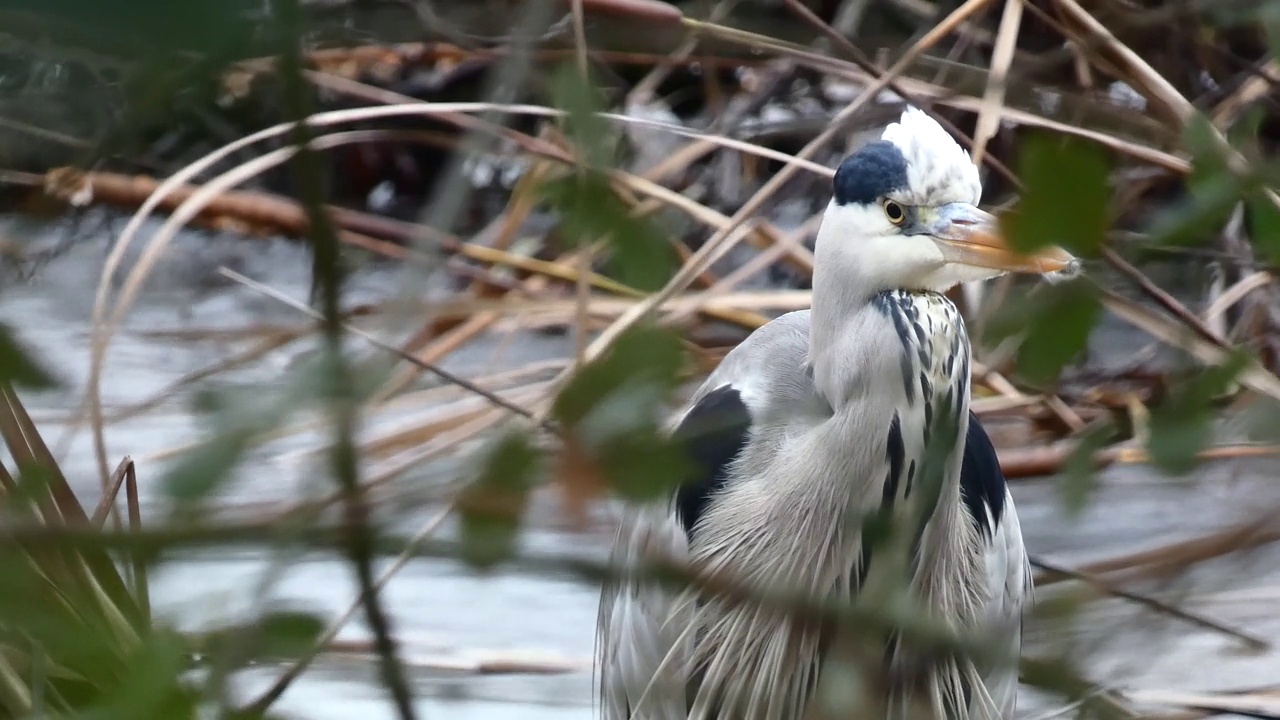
(969, 236)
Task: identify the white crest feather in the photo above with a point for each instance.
(939, 171)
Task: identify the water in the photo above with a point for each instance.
(446, 614)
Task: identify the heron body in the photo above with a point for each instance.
(819, 420)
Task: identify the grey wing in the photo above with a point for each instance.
(986, 495)
(642, 643)
(645, 636)
(1009, 580)
(644, 632)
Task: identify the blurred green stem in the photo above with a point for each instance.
(340, 386)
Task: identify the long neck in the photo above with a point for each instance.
(841, 321)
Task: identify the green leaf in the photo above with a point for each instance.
(150, 25)
(199, 471)
(1182, 425)
(1264, 225)
(1058, 325)
(613, 408)
(235, 416)
(1066, 196)
(589, 211)
(643, 464)
(1080, 472)
(1243, 133)
(1211, 198)
(1176, 437)
(290, 633)
(1212, 191)
(581, 101)
(17, 367)
(1201, 139)
(492, 506)
(645, 356)
(150, 685)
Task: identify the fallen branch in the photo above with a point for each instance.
(1109, 588)
(1040, 461)
(1169, 559)
(1250, 705)
(471, 662)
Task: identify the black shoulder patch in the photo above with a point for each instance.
(713, 433)
(982, 484)
(875, 170)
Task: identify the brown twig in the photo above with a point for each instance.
(445, 375)
(1109, 588)
(1049, 460)
(864, 63)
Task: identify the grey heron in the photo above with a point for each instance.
(822, 416)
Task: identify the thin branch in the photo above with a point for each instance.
(443, 374)
(1109, 588)
(327, 276)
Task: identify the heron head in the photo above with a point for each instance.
(904, 215)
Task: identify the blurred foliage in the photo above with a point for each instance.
(1053, 326)
(1182, 426)
(144, 27)
(612, 409)
(492, 506)
(74, 635)
(585, 200)
(1080, 472)
(1065, 196)
(17, 368)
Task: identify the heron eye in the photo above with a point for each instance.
(894, 212)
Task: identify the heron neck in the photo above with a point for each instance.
(842, 319)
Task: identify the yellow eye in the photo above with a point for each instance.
(894, 212)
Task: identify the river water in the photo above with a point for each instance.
(447, 615)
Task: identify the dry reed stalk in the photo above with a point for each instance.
(277, 340)
(99, 516)
(430, 353)
(689, 303)
(705, 256)
(1236, 293)
(784, 244)
(105, 329)
(449, 441)
(948, 98)
(1158, 88)
(1179, 335)
(267, 698)
(864, 64)
(1165, 300)
(728, 235)
(1106, 588)
(1253, 705)
(1178, 556)
(472, 663)
(416, 435)
(1049, 460)
(368, 337)
(398, 105)
(1225, 113)
(997, 78)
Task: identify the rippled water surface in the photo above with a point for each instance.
(446, 614)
